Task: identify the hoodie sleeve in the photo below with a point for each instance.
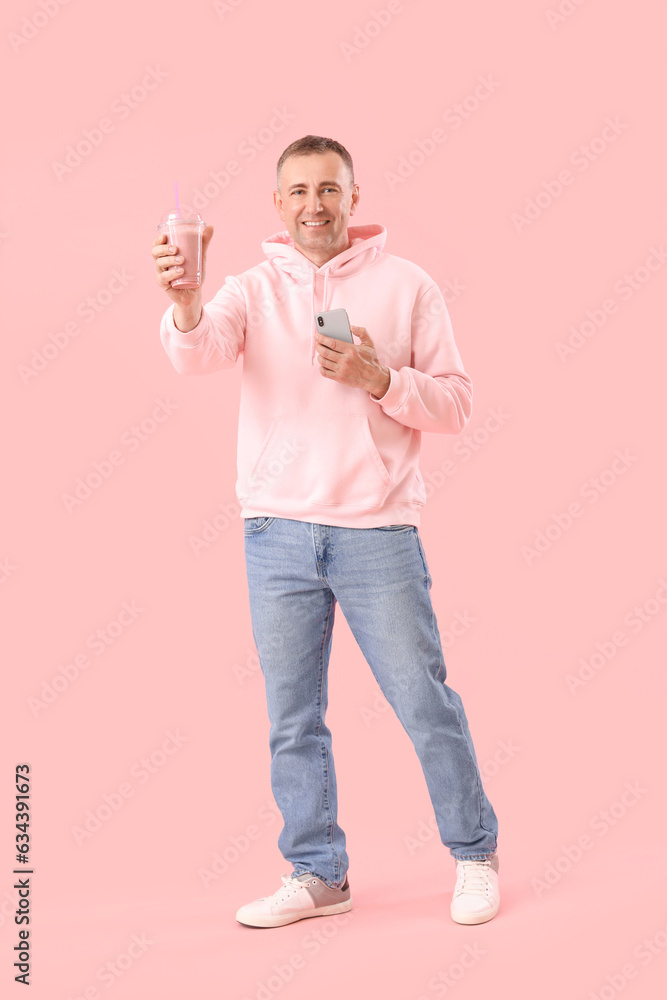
(434, 393)
(218, 338)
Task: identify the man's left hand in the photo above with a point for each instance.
(353, 364)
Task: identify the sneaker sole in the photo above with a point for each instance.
(288, 918)
(476, 918)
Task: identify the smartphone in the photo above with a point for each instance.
(335, 323)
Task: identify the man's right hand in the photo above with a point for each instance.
(188, 301)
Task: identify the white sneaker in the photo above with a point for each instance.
(476, 895)
(300, 896)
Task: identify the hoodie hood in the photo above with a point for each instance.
(365, 243)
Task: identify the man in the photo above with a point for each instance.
(330, 492)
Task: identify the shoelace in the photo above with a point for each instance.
(473, 877)
(290, 885)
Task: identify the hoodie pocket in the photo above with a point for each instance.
(325, 460)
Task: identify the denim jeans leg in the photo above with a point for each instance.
(292, 613)
(382, 583)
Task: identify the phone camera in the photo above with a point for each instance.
(320, 321)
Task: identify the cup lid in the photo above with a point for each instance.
(173, 216)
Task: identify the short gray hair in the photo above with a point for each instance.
(315, 144)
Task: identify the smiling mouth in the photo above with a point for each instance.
(315, 225)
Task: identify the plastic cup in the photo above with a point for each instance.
(185, 232)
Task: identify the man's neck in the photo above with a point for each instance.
(320, 259)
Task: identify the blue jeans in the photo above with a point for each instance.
(297, 571)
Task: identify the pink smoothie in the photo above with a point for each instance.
(186, 236)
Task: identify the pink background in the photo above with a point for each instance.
(557, 760)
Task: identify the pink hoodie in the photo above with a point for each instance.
(309, 447)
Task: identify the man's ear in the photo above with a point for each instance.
(278, 202)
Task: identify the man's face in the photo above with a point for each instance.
(316, 188)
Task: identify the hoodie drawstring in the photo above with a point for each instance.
(365, 243)
(312, 313)
(312, 308)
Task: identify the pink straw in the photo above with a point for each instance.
(178, 211)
